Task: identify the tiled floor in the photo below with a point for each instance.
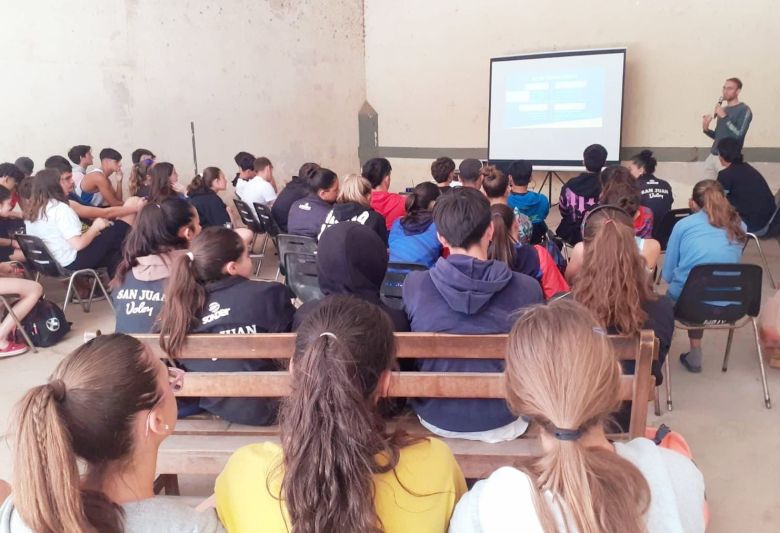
(734, 438)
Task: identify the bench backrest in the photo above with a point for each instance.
(642, 349)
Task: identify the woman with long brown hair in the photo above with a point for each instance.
(561, 371)
(338, 467)
(209, 291)
(107, 406)
(714, 233)
(618, 187)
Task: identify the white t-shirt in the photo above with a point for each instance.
(58, 224)
(255, 191)
(504, 502)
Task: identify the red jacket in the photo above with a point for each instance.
(388, 204)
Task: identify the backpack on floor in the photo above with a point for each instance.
(554, 245)
(45, 324)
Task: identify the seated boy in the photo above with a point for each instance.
(532, 204)
(465, 293)
(581, 194)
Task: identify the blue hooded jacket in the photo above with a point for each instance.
(464, 295)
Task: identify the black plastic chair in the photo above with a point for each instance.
(721, 296)
(302, 277)
(40, 261)
(670, 220)
(393, 284)
(245, 213)
(763, 233)
(293, 243)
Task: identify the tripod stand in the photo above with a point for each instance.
(548, 179)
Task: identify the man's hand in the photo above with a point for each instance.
(720, 111)
(705, 122)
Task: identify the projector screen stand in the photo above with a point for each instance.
(548, 179)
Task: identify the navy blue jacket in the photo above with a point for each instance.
(464, 295)
(307, 216)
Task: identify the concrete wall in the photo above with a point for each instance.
(277, 78)
(427, 69)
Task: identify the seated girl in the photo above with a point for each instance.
(28, 293)
(107, 407)
(534, 261)
(337, 467)
(354, 204)
(618, 187)
(714, 233)
(48, 216)
(208, 291)
(163, 183)
(307, 215)
(161, 233)
(413, 237)
(203, 194)
(561, 371)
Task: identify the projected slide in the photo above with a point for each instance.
(562, 100)
(549, 107)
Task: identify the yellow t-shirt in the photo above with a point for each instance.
(248, 501)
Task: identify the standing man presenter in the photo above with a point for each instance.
(732, 120)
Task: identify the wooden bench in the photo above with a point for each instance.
(203, 446)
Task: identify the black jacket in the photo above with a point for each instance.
(210, 207)
(356, 212)
(748, 192)
(292, 192)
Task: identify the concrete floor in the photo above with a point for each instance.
(722, 416)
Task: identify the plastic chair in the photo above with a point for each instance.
(245, 213)
(40, 261)
(721, 296)
(764, 233)
(668, 222)
(19, 325)
(392, 285)
(302, 276)
(293, 243)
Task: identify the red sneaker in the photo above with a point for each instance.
(13, 349)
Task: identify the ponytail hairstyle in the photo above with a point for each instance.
(357, 189)
(160, 186)
(614, 281)
(620, 189)
(502, 247)
(139, 176)
(331, 431)
(418, 204)
(156, 231)
(185, 292)
(646, 161)
(87, 411)
(203, 182)
(562, 372)
(709, 196)
(321, 180)
(307, 170)
(45, 187)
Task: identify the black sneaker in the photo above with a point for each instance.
(688, 366)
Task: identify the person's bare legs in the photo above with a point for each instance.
(29, 292)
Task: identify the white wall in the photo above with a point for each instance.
(276, 78)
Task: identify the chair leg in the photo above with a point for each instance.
(728, 350)
(103, 290)
(766, 264)
(767, 400)
(19, 325)
(657, 403)
(87, 305)
(658, 270)
(69, 292)
(668, 379)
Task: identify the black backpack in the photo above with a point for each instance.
(45, 324)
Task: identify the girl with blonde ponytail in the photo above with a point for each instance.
(714, 233)
(108, 405)
(338, 468)
(561, 371)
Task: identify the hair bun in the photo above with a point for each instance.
(646, 153)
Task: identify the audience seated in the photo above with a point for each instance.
(208, 291)
(466, 293)
(163, 184)
(443, 172)
(714, 233)
(655, 193)
(95, 187)
(619, 188)
(352, 262)
(161, 233)
(337, 467)
(308, 214)
(82, 158)
(561, 371)
(471, 173)
(28, 293)
(296, 189)
(354, 203)
(256, 184)
(48, 216)
(413, 237)
(581, 194)
(388, 204)
(532, 260)
(532, 204)
(106, 408)
(615, 285)
(745, 187)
